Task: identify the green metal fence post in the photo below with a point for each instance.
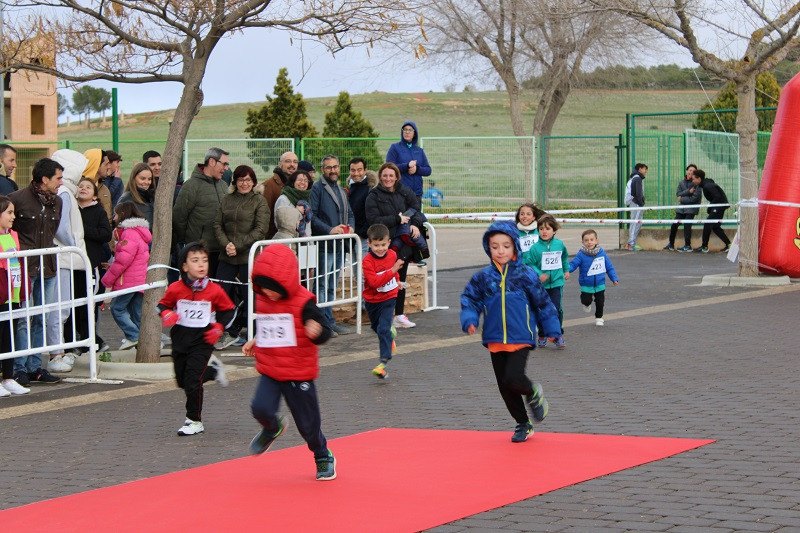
(114, 121)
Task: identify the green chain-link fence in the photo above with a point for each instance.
(28, 153)
(578, 171)
(260, 154)
(667, 142)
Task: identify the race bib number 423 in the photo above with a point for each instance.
(275, 330)
(598, 267)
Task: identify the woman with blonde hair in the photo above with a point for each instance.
(140, 191)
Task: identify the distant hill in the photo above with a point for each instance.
(587, 112)
(658, 77)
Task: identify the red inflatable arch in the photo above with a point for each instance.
(779, 227)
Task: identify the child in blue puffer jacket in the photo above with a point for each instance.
(594, 265)
(512, 300)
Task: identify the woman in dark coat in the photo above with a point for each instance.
(386, 204)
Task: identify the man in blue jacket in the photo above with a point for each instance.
(410, 159)
(332, 216)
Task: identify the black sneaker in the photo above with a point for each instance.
(22, 378)
(669, 247)
(537, 403)
(522, 432)
(701, 250)
(326, 467)
(727, 247)
(264, 439)
(40, 375)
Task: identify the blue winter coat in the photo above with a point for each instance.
(329, 212)
(400, 153)
(511, 298)
(595, 282)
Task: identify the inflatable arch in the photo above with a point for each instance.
(779, 227)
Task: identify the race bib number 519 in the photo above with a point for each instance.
(275, 331)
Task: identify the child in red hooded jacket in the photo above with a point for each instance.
(288, 328)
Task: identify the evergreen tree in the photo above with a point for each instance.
(353, 136)
(283, 116)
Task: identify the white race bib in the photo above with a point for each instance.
(389, 286)
(194, 314)
(16, 276)
(275, 331)
(527, 241)
(551, 260)
(598, 267)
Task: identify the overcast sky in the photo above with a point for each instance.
(233, 76)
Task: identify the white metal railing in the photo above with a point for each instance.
(348, 286)
(59, 305)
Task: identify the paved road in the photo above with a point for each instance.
(675, 359)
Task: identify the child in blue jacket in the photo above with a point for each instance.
(594, 265)
(512, 299)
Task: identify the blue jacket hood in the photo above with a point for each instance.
(416, 131)
(503, 226)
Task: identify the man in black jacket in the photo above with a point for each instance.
(8, 158)
(715, 195)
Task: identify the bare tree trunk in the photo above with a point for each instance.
(557, 101)
(747, 127)
(515, 107)
(148, 350)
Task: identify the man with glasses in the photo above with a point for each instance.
(196, 207)
(287, 165)
(331, 216)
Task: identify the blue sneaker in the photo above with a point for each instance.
(541, 342)
(537, 403)
(522, 432)
(264, 439)
(560, 343)
(326, 467)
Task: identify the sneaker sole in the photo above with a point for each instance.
(181, 434)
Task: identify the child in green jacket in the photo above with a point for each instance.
(549, 258)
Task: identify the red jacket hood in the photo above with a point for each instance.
(278, 262)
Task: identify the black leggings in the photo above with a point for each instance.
(599, 301)
(509, 370)
(687, 229)
(714, 213)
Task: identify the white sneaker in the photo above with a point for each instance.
(599, 321)
(13, 387)
(58, 364)
(190, 427)
(217, 365)
(128, 344)
(587, 308)
(402, 321)
(3, 392)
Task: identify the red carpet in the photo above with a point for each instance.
(388, 480)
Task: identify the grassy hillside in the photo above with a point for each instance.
(437, 114)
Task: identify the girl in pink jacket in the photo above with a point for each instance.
(129, 269)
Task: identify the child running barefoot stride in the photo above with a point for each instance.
(512, 300)
(381, 282)
(289, 326)
(594, 264)
(198, 311)
(549, 258)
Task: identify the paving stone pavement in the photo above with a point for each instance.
(675, 359)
